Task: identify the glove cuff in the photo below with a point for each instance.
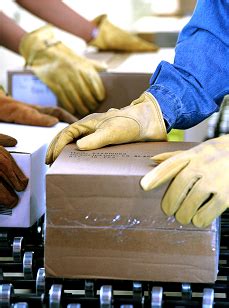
(97, 21)
(101, 26)
(36, 41)
(157, 126)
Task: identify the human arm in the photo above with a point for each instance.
(73, 78)
(62, 16)
(192, 88)
(183, 92)
(10, 33)
(99, 32)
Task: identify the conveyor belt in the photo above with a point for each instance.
(23, 283)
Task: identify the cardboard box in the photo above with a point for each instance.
(101, 224)
(29, 154)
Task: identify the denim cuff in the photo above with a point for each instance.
(170, 104)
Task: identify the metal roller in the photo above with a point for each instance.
(20, 305)
(40, 281)
(41, 230)
(208, 298)
(186, 291)
(3, 236)
(6, 290)
(126, 306)
(138, 291)
(73, 306)
(17, 248)
(156, 297)
(89, 288)
(28, 265)
(55, 294)
(106, 296)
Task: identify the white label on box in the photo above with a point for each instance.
(30, 89)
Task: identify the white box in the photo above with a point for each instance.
(29, 154)
(24, 86)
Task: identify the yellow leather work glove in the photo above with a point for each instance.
(112, 38)
(73, 78)
(199, 191)
(141, 121)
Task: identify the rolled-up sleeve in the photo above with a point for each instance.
(192, 88)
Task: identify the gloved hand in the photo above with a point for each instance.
(73, 78)
(61, 114)
(199, 191)
(11, 178)
(13, 111)
(112, 38)
(141, 121)
(7, 141)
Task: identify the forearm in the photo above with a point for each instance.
(61, 16)
(10, 33)
(192, 88)
(184, 103)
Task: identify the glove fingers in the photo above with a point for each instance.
(59, 113)
(86, 92)
(31, 116)
(208, 212)
(55, 86)
(111, 37)
(177, 192)
(41, 120)
(142, 45)
(192, 201)
(134, 43)
(98, 66)
(97, 140)
(164, 156)
(22, 180)
(109, 133)
(22, 113)
(12, 174)
(72, 100)
(8, 197)
(49, 153)
(164, 172)
(66, 136)
(96, 86)
(7, 141)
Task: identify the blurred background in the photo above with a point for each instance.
(165, 18)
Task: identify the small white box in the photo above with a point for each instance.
(24, 86)
(29, 154)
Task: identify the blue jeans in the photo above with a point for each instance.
(192, 88)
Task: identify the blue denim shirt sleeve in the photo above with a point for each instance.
(192, 88)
